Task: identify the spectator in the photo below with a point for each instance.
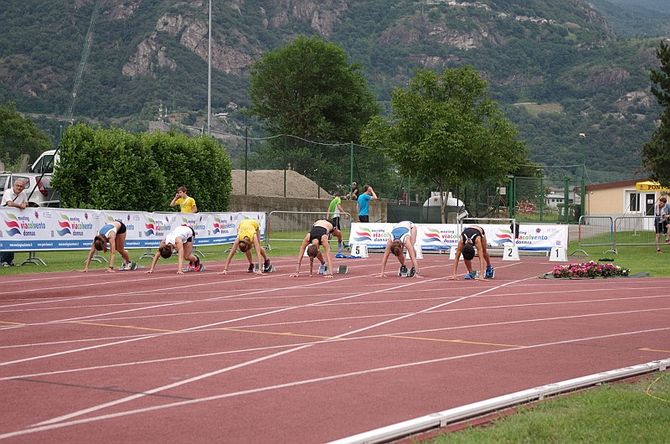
(364, 203)
(334, 212)
(186, 203)
(248, 237)
(402, 236)
(14, 197)
(661, 215)
(353, 195)
(180, 239)
(113, 233)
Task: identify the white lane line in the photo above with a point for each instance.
(257, 360)
(47, 427)
(93, 347)
(348, 339)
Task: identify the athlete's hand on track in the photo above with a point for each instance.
(328, 276)
(382, 275)
(451, 278)
(180, 272)
(223, 272)
(294, 275)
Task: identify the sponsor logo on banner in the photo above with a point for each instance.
(71, 225)
(363, 235)
(503, 236)
(156, 227)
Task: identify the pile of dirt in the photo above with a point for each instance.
(280, 183)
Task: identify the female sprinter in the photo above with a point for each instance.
(402, 236)
(472, 237)
(317, 237)
(113, 233)
(180, 239)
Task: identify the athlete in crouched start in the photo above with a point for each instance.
(180, 239)
(470, 238)
(314, 240)
(403, 235)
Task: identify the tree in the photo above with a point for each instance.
(308, 90)
(656, 152)
(19, 136)
(444, 129)
(116, 170)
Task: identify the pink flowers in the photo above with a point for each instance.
(589, 269)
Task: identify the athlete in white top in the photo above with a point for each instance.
(403, 235)
(180, 239)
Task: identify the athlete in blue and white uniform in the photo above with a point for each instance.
(114, 234)
(403, 235)
(180, 239)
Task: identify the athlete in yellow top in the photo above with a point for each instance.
(186, 203)
(248, 236)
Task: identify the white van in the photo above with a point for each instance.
(45, 163)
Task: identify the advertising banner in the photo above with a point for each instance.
(42, 229)
(440, 237)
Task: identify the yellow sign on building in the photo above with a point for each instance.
(650, 185)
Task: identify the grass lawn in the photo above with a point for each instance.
(622, 412)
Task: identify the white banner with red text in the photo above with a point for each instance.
(440, 237)
(41, 229)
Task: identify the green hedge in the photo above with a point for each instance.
(117, 170)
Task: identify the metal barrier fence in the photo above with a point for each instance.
(596, 231)
(291, 226)
(634, 231)
(613, 232)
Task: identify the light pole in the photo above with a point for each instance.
(209, 71)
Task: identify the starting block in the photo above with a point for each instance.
(271, 270)
(341, 269)
(511, 253)
(359, 250)
(558, 254)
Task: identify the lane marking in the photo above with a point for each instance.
(653, 350)
(131, 327)
(264, 358)
(43, 428)
(458, 341)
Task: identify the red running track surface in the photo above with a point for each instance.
(204, 357)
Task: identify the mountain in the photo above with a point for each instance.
(558, 68)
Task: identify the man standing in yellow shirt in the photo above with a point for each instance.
(186, 203)
(248, 236)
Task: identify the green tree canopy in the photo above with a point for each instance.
(445, 130)
(116, 170)
(308, 90)
(18, 136)
(656, 152)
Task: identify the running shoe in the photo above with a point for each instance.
(251, 268)
(412, 272)
(470, 276)
(266, 266)
(323, 268)
(403, 271)
(490, 272)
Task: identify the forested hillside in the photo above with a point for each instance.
(559, 68)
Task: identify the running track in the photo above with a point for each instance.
(133, 357)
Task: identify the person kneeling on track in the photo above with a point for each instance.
(317, 237)
(403, 235)
(470, 238)
(180, 239)
(248, 237)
